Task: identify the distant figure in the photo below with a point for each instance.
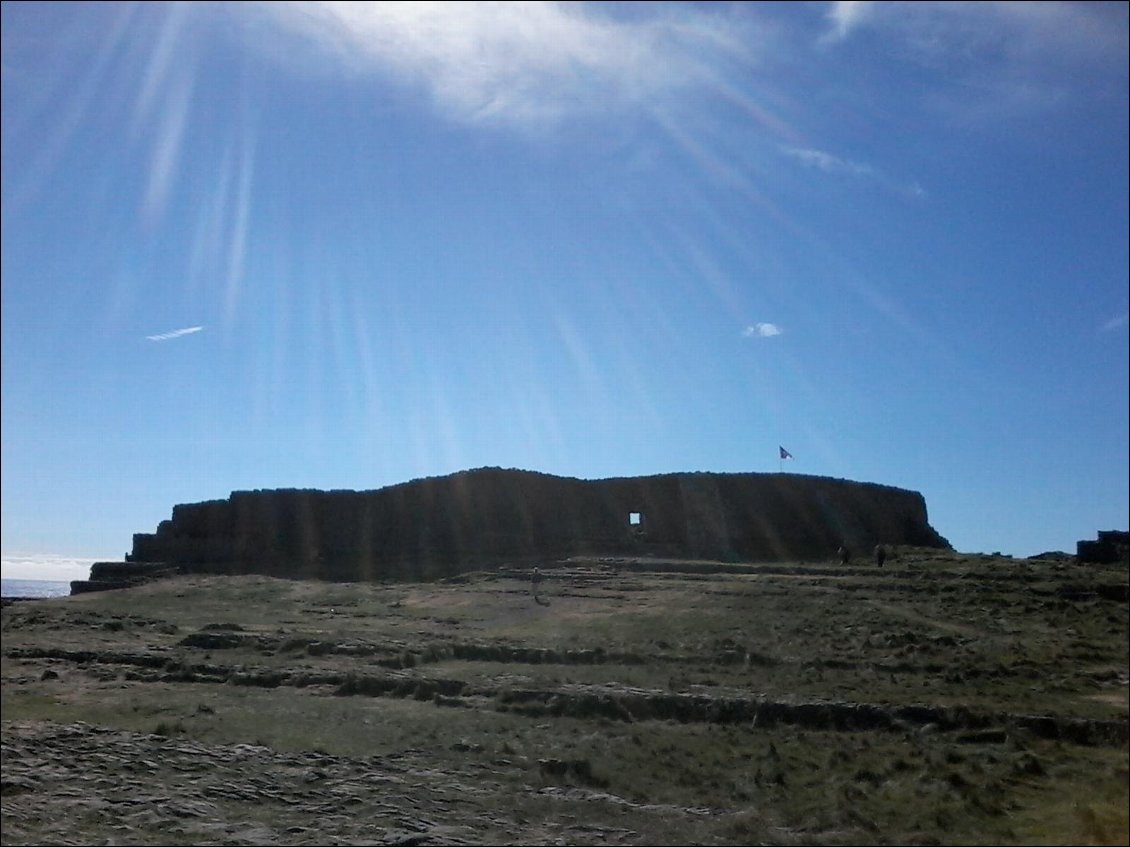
(845, 554)
(880, 554)
(535, 584)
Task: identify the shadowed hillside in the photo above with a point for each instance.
(442, 526)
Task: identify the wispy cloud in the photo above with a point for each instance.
(517, 63)
(176, 333)
(762, 330)
(1026, 27)
(1005, 55)
(1117, 322)
(827, 162)
(831, 164)
(845, 16)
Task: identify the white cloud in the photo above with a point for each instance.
(829, 163)
(45, 566)
(1018, 35)
(762, 330)
(176, 333)
(846, 16)
(520, 63)
(1116, 322)
(993, 62)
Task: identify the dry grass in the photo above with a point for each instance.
(942, 699)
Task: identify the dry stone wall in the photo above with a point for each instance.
(441, 526)
(1112, 546)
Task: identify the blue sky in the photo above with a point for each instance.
(334, 245)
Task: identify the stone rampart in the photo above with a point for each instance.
(441, 526)
(1112, 546)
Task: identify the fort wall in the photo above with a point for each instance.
(441, 526)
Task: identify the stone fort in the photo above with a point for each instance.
(441, 526)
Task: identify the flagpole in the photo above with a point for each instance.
(782, 454)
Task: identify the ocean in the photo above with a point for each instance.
(33, 588)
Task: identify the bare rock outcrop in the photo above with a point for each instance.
(441, 526)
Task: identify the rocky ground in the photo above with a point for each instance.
(943, 698)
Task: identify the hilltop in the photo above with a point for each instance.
(942, 698)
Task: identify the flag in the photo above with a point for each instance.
(785, 454)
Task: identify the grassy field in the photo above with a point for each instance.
(944, 698)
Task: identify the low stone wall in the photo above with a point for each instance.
(441, 526)
(109, 576)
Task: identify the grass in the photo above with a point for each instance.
(576, 704)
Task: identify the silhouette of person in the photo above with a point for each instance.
(880, 554)
(845, 554)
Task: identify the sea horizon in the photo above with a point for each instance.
(34, 588)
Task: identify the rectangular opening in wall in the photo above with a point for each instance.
(635, 524)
